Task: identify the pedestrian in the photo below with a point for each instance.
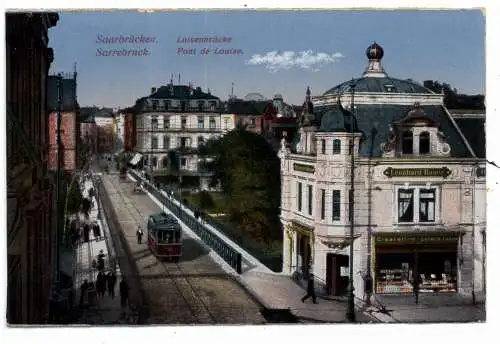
(139, 234)
(111, 282)
(417, 280)
(100, 260)
(97, 230)
(124, 292)
(86, 232)
(101, 284)
(311, 292)
(83, 291)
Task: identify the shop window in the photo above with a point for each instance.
(323, 146)
(322, 204)
(336, 146)
(336, 205)
(405, 205)
(407, 142)
(310, 199)
(299, 196)
(424, 143)
(427, 205)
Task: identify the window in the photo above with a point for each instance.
(168, 105)
(299, 196)
(184, 142)
(200, 105)
(212, 106)
(405, 205)
(226, 122)
(252, 122)
(183, 122)
(322, 204)
(183, 106)
(164, 161)
(212, 123)
(183, 162)
(336, 146)
(154, 142)
(155, 105)
(427, 205)
(166, 122)
(407, 142)
(166, 142)
(201, 122)
(310, 199)
(153, 162)
(323, 146)
(424, 143)
(154, 123)
(201, 140)
(336, 205)
(350, 206)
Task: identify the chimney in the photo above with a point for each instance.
(153, 90)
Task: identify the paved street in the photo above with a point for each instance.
(195, 290)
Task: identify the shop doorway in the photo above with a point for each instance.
(336, 283)
(303, 255)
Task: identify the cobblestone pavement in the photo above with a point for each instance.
(193, 291)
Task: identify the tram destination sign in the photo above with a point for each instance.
(303, 168)
(442, 172)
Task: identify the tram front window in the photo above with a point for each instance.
(169, 237)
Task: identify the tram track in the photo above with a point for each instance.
(179, 279)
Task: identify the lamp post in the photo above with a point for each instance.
(350, 314)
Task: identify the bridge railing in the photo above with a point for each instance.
(226, 252)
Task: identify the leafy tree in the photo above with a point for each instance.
(249, 171)
(74, 199)
(205, 200)
(453, 99)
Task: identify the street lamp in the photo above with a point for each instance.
(350, 314)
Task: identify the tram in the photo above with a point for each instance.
(165, 236)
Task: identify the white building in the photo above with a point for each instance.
(419, 190)
(176, 119)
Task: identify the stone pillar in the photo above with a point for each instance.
(465, 270)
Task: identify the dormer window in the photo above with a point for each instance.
(336, 146)
(389, 88)
(407, 142)
(424, 143)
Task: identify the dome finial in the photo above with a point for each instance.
(374, 52)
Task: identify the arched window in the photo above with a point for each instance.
(336, 146)
(424, 143)
(407, 144)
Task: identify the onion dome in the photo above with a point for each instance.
(374, 52)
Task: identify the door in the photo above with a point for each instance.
(335, 282)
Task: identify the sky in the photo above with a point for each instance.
(273, 51)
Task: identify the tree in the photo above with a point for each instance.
(74, 198)
(249, 171)
(453, 99)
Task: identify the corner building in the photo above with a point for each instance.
(419, 200)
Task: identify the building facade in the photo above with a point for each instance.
(68, 108)
(29, 231)
(88, 128)
(174, 121)
(106, 129)
(418, 201)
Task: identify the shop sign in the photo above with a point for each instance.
(303, 168)
(391, 172)
(398, 238)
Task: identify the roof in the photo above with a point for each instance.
(246, 107)
(378, 84)
(69, 102)
(374, 121)
(180, 92)
(87, 114)
(474, 131)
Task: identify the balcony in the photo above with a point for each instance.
(179, 109)
(180, 129)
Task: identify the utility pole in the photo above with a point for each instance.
(351, 316)
(58, 176)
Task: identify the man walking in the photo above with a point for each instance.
(310, 290)
(417, 280)
(139, 235)
(123, 292)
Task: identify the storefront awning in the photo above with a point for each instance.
(135, 160)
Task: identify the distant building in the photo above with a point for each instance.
(106, 129)
(88, 127)
(170, 124)
(69, 109)
(419, 201)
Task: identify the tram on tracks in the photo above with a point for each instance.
(165, 236)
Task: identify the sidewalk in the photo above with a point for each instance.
(106, 311)
(274, 290)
